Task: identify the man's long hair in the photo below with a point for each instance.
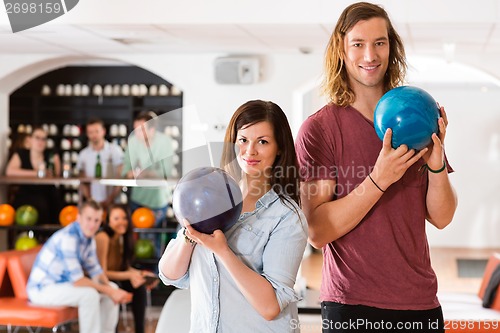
(336, 83)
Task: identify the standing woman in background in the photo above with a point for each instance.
(115, 246)
(22, 141)
(29, 163)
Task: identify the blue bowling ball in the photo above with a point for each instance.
(209, 198)
(411, 113)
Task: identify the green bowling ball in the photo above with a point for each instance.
(144, 249)
(26, 215)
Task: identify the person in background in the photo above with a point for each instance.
(367, 203)
(250, 268)
(115, 250)
(35, 162)
(110, 156)
(59, 274)
(22, 141)
(148, 155)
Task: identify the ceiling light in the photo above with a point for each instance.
(130, 41)
(449, 51)
(305, 50)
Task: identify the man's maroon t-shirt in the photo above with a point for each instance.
(384, 261)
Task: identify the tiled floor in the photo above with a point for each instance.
(444, 261)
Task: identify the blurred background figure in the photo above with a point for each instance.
(22, 141)
(148, 155)
(115, 250)
(66, 272)
(34, 160)
(110, 158)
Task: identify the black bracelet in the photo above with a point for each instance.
(439, 170)
(369, 176)
(187, 239)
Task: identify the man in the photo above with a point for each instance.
(149, 155)
(111, 158)
(59, 274)
(366, 203)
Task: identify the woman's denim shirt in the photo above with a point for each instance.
(271, 241)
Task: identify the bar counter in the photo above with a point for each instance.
(77, 181)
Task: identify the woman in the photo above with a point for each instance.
(37, 162)
(251, 268)
(115, 251)
(22, 141)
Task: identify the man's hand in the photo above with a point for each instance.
(435, 154)
(120, 296)
(392, 163)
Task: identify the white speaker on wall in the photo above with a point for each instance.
(237, 70)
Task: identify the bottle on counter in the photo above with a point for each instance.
(110, 172)
(66, 172)
(41, 170)
(51, 168)
(98, 167)
(137, 170)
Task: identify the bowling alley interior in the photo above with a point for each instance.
(189, 65)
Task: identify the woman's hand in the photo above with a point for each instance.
(136, 278)
(215, 242)
(151, 274)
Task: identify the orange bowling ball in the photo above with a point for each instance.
(68, 214)
(143, 218)
(7, 213)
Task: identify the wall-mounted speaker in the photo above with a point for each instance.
(237, 70)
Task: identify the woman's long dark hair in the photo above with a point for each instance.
(128, 237)
(284, 177)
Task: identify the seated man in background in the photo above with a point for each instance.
(59, 274)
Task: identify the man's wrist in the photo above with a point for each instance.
(437, 170)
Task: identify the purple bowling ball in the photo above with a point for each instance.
(209, 198)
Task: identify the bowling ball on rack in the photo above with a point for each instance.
(26, 215)
(144, 249)
(25, 242)
(143, 217)
(68, 215)
(7, 213)
(411, 113)
(209, 198)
